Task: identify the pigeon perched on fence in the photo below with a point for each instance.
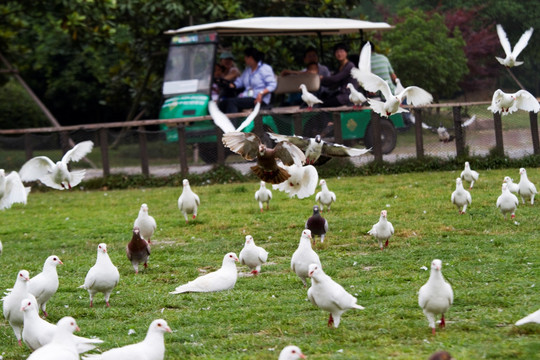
(382, 230)
(253, 256)
(44, 285)
(12, 303)
(317, 224)
(62, 345)
(506, 103)
(356, 97)
(507, 202)
(138, 250)
(461, 197)
(304, 256)
(436, 296)
(263, 195)
(12, 190)
(102, 277)
(146, 223)
(325, 197)
(302, 182)
(469, 175)
(531, 318)
(511, 55)
(525, 187)
(188, 202)
(291, 352)
(308, 97)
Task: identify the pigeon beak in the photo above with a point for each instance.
(77, 329)
(60, 262)
(302, 356)
(23, 308)
(309, 236)
(168, 329)
(236, 259)
(310, 274)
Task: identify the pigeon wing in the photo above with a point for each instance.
(36, 168)
(372, 82)
(364, 62)
(469, 121)
(15, 191)
(338, 150)
(526, 101)
(522, 43)
(289, 153)
(244, 144)
(220, 119)
(416, 95)
(504, 40)
(300, 141)
(494, 100)
(78, 152)
(250, 118)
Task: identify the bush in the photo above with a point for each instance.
(17, 109)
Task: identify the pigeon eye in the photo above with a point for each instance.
(72, 324)
(29, 303)
(158, 324)
(294, 351)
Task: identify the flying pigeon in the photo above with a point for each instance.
(250, 147)
(382, 230)
(329, 296)
(399, 87)
(525, 187)
(291, 352)
(38, 332)
(62, 345)
(252, 255)
(506, 103)
(263, 195)
(531, 318)
(507, 202)
(44, 285)
(325, 197)
(301, 183)
(146, 223)
(469, 175)
(436, 296)
(12, 303)
(317, 224)
(356, 97)
(224, 123)
(316, 149)
(188, 202)
(138, 250)
(512, 187)
(461, 197)
(102, 277)
(57, 175)
(12, 190)
(511, 55)
(222, 279)
(364, 60)
(309, 98)
(304, 256)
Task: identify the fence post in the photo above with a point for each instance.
(497, 124)
(458, 131)
(28, 151)
(144, 151)
(418, 133)
(338, 136)
(533, 118)
(182, 148)
(375, 124)
(104, 146)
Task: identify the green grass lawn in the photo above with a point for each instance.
(492, 264)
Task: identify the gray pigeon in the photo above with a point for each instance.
(138, 250)
(317, 224)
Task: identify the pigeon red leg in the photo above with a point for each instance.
(386, 243)
(254, 272)
(442, 321)
(108, 305)
(194, 216)
(20, 343)
(45, 313)
(145, 265)
(330, 321)
(433, 331)
(91, 303)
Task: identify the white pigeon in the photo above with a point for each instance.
(44, 285)
(511, 55)
(469, 175)
(62, 345)
(356, 97)
(525, 187)
(151, 348)
(461, 197)
(146, 223)
(38, 332)
(252, 255)
(513, 187)
(399, 87)
(188, 202)
(291, 352)
(329, 296)
(12, 190)
(531, 318)
(382, 230)
(436, 296)
(308, 97)
(224, 123)
(364, 60)
(443, 134)
(219, 280)
(506, 103)
(263, 195)
(12, 303)
(507, 202)
(57, 175)
(102, 277)
(325, 197)
(302, 182)
(304, 256)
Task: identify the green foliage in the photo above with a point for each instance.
(18, 110)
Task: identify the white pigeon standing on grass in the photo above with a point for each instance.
(329, 296)
(102, 277)
(304, 256)
(531, 318)
(252, 255)
(151, 348)
(436, 296)
(309, 98)
(461, 197)
(325, 197)
(146, 223)
(511, 55)
(302, 182)
(38, 332)
(188, 202)
(512, 187)
(525, 187)
(382, 230)
(12, 190)
(507, 202)
(57, 175)
(222, 279)
(62, 345)
(356, 97)
(506, 103)
(469, 175)
(263, 195)
(291, 352)
(12, 303)
(44, 285)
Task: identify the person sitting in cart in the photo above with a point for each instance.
(337, 83)
(257, 81)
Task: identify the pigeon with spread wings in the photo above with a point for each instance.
(511, 54)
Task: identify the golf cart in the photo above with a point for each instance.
(189, 76)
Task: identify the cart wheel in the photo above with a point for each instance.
(388, 136)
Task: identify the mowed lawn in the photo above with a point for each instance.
(492, 264)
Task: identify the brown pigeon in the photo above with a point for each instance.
(138, 250)
(317, 224)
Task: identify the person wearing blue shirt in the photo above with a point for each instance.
(257, 81)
